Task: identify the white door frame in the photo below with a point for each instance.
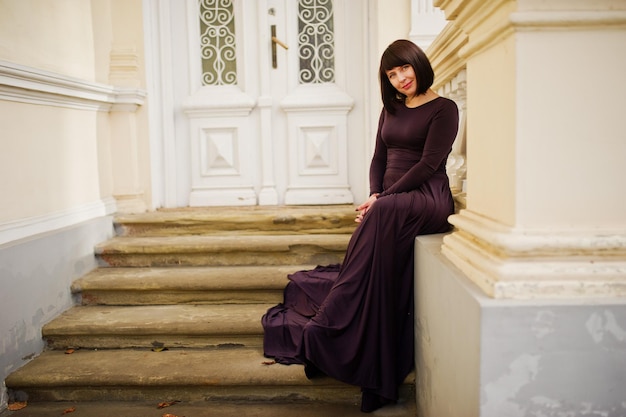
(167, 154)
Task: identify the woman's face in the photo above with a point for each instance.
(403, 79)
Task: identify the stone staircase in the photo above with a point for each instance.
(173, 312)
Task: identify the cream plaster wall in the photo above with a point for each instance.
(571, 129)
(576, 5)
(388, 20)
(128, 34)
(491, 126)
(48, 162)
(52, 35)
(105, 157)
(394, 21)
(128, 70)
(49, 158)
(102, 39)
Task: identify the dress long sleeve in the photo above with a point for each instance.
(379, 160)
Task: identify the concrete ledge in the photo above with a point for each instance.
(478, 356)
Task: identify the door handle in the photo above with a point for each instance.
(276, 41)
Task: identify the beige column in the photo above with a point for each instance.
(128, 121)
(545, 213)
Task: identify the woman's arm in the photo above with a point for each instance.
(379, 160)
(377, 171)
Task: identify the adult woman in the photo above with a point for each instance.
(354, 322)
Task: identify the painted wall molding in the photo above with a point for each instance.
(22, 228)
(36, 86)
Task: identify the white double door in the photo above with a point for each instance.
(268, 101)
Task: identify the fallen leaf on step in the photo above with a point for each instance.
(167, 403)
(170, 415)
(158, 349)
(158, 346)
(69, 351)
(69, 410)
(18, 405)
(268, 362)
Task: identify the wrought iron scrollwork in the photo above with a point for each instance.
(217, 42)
(316, 41)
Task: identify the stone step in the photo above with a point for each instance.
(251, 220)
(223, 250)
(107, 408)
(171, 326)
(197, 282)
(184, 285)
(236, 374)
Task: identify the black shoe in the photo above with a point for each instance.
(311, 371)
(371, 402)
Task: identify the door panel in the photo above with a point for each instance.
(222, 140)
(261, 120)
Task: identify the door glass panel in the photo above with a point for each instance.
(316, 42)
(217, 42)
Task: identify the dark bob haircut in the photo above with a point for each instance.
(399, 53)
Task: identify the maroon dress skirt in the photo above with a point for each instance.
(354, 321)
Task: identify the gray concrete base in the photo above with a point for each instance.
(35, 278)
(478, 356)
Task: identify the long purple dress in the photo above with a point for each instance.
(354, 321)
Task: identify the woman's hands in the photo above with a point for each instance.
(364, 208)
